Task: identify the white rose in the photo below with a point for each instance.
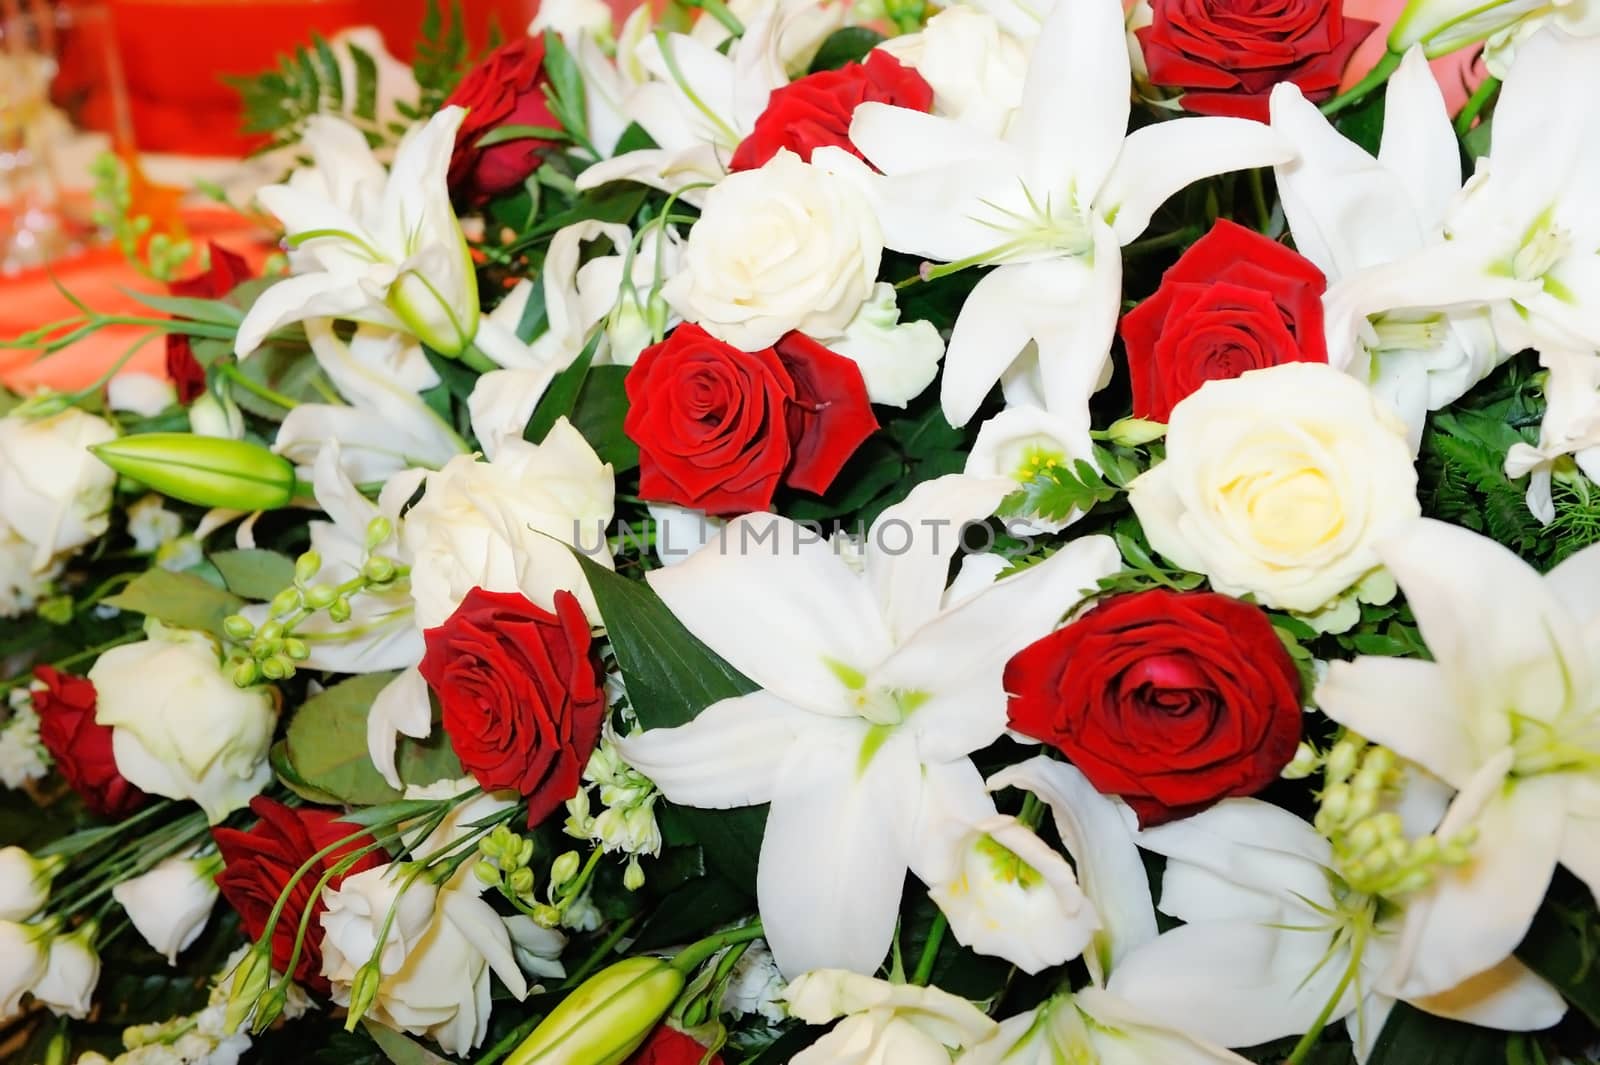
(974, 67)
(181, 727)
(72, 969)
(884, 1023)
(171, 904)
(24, 883)
(436, 962)
(1278, 483)
(53, 492)
(23, 957)
(786, 246)
(572, 18)
(505, 525)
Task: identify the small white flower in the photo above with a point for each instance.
(23, 956)
(24, 883)
(22, 756)
(72, 970)
(170, 905)
(151, 524)
(756, 986)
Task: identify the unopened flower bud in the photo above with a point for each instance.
(286, 602)
(246, 673)
(378, 570)
(1362, 839)
(605, 1018)
(487, 874)
(270, 631)
(564, 868)
(633, 877)
(277, 667)
(363, 993)
(306, 567)
(1336, 801)
(1305, 762)
(249, 981)
(339, 609)
(1132, 432)
(321, 596)
(379, 529)
(1342, 760)
(237, 627)
(208, 471)
(297, 650)
(269, 1007)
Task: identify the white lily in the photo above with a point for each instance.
(1050, 203)
(803, 26)
(884, 1023)
(875, 688)
(1092, 1027)
(1571, 426)
(1273, 937)
(1507, 713)
(1445, 26)
(387, 427)
(1523, 238)
(697, 106)
(378, 247)
(1351, 213)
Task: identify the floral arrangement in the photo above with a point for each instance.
(1021, 533)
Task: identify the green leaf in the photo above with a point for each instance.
(1563, 944)
(289, 777)
(1412, 1037)
(562, 395)
(693, 910)
(501, 134)
(179, 599)
(332, 77)
(400, 1048)
(565, 88)
(847, 45)
(254, 573)
(366, 87)
(213, 312)
(327, 746)
(601, 406)
(671, 677)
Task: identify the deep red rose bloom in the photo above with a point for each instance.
(719, 429)
(227, 272)
(1226, 55)
(815, 111)
(1234, 302)
(521, 693)
(81, 746)
(668, 1046)
(257, 866)
(506, 89)
(1172, 700)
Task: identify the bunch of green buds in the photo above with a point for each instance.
(272, 650)
(1370, 849)
(627, 820)
(506, 865)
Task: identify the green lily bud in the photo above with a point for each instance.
(606, 1018)
(207, 471)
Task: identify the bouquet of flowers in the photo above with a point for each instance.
(1024, 533)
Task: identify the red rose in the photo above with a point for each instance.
(668, 1046)
(80, 745)
(1226, 55)
(815, 111)
(1172, 700)
(226, 273)
(1234, 302)
(506, 89)
(257, 866)
(719, 429)
(521, 693)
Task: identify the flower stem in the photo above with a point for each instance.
(1359, 91)
(256, 388)
(599, 953)
(1474, 105)
(695, 953)
(1302, 1050)
(930, 950)
(1258, 196)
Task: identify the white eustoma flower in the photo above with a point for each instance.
(1445, 26)
(874, 690)
(897, 359)
(180, 726)
(436, 959)
(54, 494)
(1279, 483)
(975, 68)
(782, 247)
(1023, 441)
(72, 969)
(1570, 426)
(1092, 1027)
(884, 1023)
(1273, 936)
(1522, 239)
(378, 247)
(170, 905)
(1352, 213)
(24, 883)
(24, 953)
(1507, 713)
(1050, 203)
(386, 427)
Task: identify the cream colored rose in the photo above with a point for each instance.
(973, 66)
(53, 492)
(505, 525)
(180, 726)
(1278, 483)
(786, 246)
